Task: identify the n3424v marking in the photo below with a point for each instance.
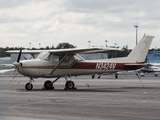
(105, 66)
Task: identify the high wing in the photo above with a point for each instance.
(82, 50)
(70, 50)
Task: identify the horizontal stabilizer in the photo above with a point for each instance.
(134, 64)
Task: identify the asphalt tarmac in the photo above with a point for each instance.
(125, 98)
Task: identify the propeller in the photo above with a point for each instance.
(15, 75)
(19, 56)
(11, 80)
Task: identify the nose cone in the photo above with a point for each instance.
(17, 64)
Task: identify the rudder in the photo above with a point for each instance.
(139, 53)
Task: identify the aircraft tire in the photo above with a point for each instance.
(70, 85)
(116, 76)
(156, 75)
(48, 85)
(29, 86)
(93, 76)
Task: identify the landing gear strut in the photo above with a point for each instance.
(29, 85)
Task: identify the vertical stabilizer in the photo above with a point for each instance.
(139, 53)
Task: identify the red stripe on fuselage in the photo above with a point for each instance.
(104, 65)
(90, 65)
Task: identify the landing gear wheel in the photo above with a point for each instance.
(48, 85)
(156, 75)
(29, 86)
(69, 85)
(93, 76)
(116, 76)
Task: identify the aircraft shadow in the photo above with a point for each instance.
(78, 90)
(158, 88)
(121, 89)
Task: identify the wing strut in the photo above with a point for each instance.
(59, 63)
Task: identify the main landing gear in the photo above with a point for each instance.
(49, 84)
(69, 84)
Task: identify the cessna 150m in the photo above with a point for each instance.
(66, 63)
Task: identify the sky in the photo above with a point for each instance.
(41, 23)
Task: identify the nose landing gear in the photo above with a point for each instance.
(29, 85)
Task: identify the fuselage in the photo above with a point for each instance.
(42, 68)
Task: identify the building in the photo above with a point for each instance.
(153, 57)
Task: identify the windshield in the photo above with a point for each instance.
(44, 55)
(78, 57)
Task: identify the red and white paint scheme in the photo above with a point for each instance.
(66, 63)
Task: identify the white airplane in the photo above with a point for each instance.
(66, 63)
(6, 68)
(6, 63)
(150, 68)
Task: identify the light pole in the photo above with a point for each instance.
(115, 44)
(106, 43)
(89, 47)
(39, 45)
(30, 45)
(136, 26)
(89, 43)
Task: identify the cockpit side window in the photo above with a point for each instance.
(66, 59)
(58, 58)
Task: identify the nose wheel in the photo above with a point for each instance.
(29, 86)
